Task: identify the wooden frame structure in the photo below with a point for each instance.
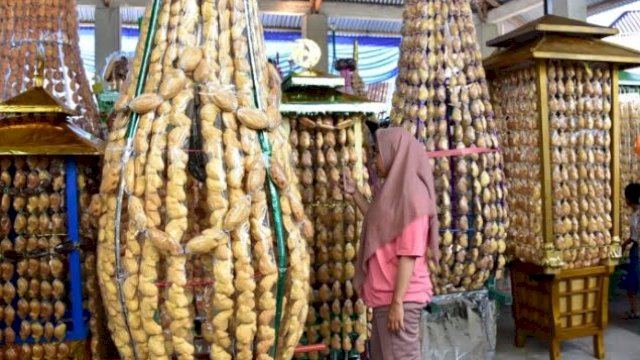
(553, 301)
(563, 306)
(553, 38)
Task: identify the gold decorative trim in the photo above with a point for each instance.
(615, 152)
(545, 153)
(552, 258)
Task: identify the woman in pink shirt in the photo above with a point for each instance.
(400, 225)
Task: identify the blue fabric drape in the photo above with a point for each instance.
(279, 44)
(377, 56)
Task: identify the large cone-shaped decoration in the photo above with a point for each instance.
(629, 152)
(51, 27)
(442, 97)
(187, 259)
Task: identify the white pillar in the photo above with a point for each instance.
(316, 27)
(573, 9)
(486, 32)
(107, 34)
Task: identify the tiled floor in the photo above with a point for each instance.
(622, 340)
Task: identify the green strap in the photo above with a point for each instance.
(279, 231)
(264, 144)
(132, 126)
(276, 210)
(134, 118)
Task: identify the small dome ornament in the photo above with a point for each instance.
(306, 54)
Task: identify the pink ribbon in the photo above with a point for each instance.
(460, 152)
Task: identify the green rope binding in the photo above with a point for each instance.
(273, 191)
(132, 126)
(134, 118)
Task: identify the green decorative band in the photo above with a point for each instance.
(276, 210)
(276, 214)
(132, 126)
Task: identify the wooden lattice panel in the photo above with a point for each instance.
(531, 300)
(578, 301)
(561, 306)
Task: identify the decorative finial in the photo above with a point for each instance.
(355, 52)
(306, 54)
(39, 74)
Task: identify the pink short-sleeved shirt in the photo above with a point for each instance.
(380, 281)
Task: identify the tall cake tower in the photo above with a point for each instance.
(442, 97)
(50, 27)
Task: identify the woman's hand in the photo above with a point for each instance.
(435, 255)
(406, 264)
(395, 321)
(350, 188)
(348, 185)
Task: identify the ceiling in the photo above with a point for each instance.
(281, 21)
(628, 23)
(598, 6)
(375, 17)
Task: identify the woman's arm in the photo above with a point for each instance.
(403, 277)
(361, 202)
(434, 240)
(350, 188)
(406, 265)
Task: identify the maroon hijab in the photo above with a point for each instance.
(408, 193)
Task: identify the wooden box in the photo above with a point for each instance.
(554, 85)
(570, 304)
